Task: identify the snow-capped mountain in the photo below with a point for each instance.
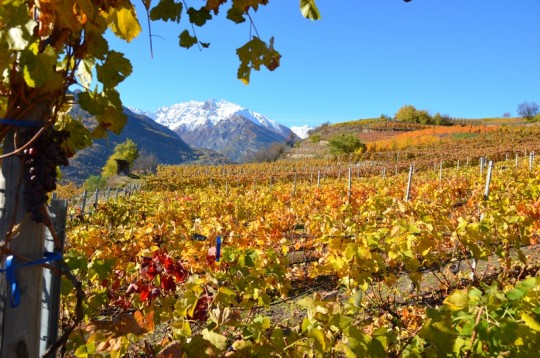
(222, 126)
(302, 131)
(148, 114)
(190, 115)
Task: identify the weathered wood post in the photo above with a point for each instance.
(21, 302)
(409, 181)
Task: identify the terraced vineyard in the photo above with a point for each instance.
(279, 260)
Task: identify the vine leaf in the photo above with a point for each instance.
(199, 17)
(79, 136)
(124, 23)
(186, 40)
(219, 341)
(245, 5)
(530, 322)
(254, 54)
(114, 70)
(235, 15)
(309, 9)
(38, 68)
(213, 5)
(111, 120)
(167, 10)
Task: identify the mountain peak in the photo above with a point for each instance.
(189, 116)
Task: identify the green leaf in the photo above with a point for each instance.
(84, 71)
(39, 69)
(198, 17)
(79, 136)
(186, 40)
(254, 54)
(111, 120)
(235, 15)
(219, 341)
(245, 5)
(309, 9)
(515, 294)
(124, 22)
(167, 10)
(320, 340)
(114, 70)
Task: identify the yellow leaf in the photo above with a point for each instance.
(530, 322)
(457, 300)
(124, 23)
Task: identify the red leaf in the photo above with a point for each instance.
(167, 283)
(145, 291)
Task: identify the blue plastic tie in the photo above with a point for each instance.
(218, 248)
(12, 279)
(20, 123)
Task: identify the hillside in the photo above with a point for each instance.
(385, 135)
(149, 136)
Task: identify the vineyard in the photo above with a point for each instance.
(311, 260)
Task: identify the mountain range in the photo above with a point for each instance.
(210, 132)
(222, 126)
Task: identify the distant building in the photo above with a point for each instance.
(122, 167)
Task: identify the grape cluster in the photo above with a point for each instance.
(40, 161)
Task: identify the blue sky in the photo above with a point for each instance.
(364, 58)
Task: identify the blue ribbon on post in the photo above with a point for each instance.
(218, 248)
(12, 279)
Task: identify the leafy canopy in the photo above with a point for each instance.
(345, 144)
(125, 151)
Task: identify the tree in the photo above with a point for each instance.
(528, 110)
(127, 151)
(146, 162)
(94, 182)
(407, 113)
(345, 144)
(46, 47)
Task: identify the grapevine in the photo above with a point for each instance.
(340, 265)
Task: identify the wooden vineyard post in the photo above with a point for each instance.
(517, 160)
(488, 181)
(349, 191)
(24, 290)
(440, 173)
(83, 204)
(481, 166)
(409, 180)
(51, 293)
(319, 179)
(96, 199)
(486, 196)
(531, 160)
